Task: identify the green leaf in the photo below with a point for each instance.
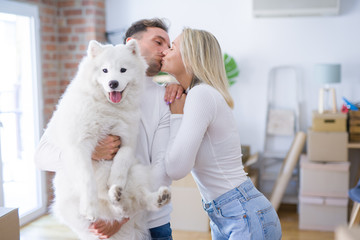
(231, 68)
(162, 73)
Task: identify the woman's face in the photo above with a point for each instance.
(172, 62)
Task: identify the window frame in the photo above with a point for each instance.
(32, 11)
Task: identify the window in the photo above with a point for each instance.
(21, 184)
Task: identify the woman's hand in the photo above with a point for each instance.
(105, 229)
(177, 107)
(173, 91)
(106, 148)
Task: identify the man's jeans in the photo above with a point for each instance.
(161, 233)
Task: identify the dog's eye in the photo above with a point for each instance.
(105, 70)
(123, 70)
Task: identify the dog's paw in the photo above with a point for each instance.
(88, 213)
(91, 217)
(88, 207)
(115, 193)
(164, 196)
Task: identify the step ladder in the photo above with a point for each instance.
(282, 124)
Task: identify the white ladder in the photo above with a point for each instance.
(282, 124)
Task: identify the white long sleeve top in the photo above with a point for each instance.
(151, 148)
(205, 141)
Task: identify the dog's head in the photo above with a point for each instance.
(117, 68)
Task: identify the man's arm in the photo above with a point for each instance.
(107, 148)
(48, 155)
(105, 229)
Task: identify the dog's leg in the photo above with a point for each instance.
(122, 162)
(155, 200)
(139, 194)
(141, 198)
(138, 197)
(81, 165)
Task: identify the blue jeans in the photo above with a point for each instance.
(161, 233)
(243, 213)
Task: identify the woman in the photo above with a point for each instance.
(204, 140)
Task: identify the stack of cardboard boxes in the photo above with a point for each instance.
(324, 174)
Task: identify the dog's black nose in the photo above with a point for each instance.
(113, 84)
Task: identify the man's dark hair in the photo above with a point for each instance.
(143, 24)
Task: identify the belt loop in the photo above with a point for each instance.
(214, 206)
(206, 206)
(242, 192)
(203, 204)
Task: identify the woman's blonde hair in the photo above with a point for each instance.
(203, 58)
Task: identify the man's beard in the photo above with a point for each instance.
(154, 68)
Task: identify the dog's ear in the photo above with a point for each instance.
(94, 49)
(133, 46)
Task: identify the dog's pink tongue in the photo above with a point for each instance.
(115, 97)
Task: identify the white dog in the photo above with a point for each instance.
(103, 99)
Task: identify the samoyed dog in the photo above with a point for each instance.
(103, 99)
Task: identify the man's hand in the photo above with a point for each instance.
(177, 107)
(106, 148)
(105, 229)
(173, 91)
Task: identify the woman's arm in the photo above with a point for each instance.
(186, 134)
(158, 151)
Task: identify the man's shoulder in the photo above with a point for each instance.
(153, 87)
(153, 98)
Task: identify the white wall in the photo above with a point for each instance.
(258, 44)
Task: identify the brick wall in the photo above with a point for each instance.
(66, 28)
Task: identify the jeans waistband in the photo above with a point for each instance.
(240, 191)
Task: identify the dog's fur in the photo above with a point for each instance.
(103, 99)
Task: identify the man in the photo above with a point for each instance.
(153, 39)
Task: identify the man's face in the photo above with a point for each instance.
(152, 43)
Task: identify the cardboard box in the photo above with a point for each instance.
(329, 122)
(355, 115)
(9, 224)
(321, 213)
(188, 213)
(354, 126)
(354, 137)
(327, 146)
(325, 179)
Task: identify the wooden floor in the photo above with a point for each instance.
(47, 228)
